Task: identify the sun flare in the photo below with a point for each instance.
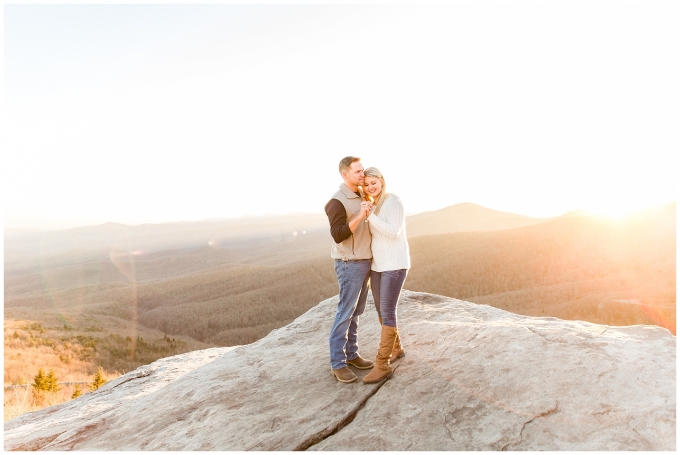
(617, 211)
(613, 212)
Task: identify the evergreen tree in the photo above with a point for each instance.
(77, 392)
(39, 380)
(98, 380)
(43, 383)
(51, 382)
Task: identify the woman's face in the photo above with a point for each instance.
(373, 186)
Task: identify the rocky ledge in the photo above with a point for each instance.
(474, 378)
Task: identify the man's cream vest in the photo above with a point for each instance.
(358, 245)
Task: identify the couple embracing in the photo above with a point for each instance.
(368, 228)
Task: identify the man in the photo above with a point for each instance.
(352, 254)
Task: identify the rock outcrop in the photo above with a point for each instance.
(474, 378)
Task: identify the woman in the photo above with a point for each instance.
(389, 267)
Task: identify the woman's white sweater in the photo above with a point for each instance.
(388, 232)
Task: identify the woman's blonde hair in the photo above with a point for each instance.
(374, 172)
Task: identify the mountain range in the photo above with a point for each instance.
(240, 233)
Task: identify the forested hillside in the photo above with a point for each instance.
(230, 306)
(575, 267)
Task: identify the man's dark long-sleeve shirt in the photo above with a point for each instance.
(337, 217)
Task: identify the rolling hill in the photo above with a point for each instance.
(465, 217)
(243, 234)
(226, 233)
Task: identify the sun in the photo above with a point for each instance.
(616, 211)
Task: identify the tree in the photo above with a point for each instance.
(98, 380)
(44, 383)
(77, 392)
(39, 380)
(51, 382)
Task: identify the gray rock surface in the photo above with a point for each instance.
(474, 378)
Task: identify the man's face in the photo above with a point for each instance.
(355, 174)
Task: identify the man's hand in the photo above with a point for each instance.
(366, 209)
(363, 214)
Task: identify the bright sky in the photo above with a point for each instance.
(152, 113)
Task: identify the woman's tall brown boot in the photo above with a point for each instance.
(398, 351)
(382, 368)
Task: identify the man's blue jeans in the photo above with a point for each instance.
(353, 282)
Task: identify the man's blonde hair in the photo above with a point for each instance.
(346, 163)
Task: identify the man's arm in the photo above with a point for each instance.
(337, 217)
(354, 224)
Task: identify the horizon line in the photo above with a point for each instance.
(247, 216)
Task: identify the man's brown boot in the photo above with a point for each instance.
(398, 351)
(360, 363)
(382, 368)
(344, 374)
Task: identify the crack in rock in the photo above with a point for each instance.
(645, 442)
(607, 411)
(444, 352)
(449, 418)
(550, 411)
(599, 376)
(143, 374)
(330, 431)
(539, 334)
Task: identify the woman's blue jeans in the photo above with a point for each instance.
(353, 282)
(386, 288)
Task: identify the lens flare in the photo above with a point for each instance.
(658, 318)
(125, 263)
(52, 297)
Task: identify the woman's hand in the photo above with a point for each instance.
(366, 209)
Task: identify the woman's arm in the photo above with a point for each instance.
(393, 212)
